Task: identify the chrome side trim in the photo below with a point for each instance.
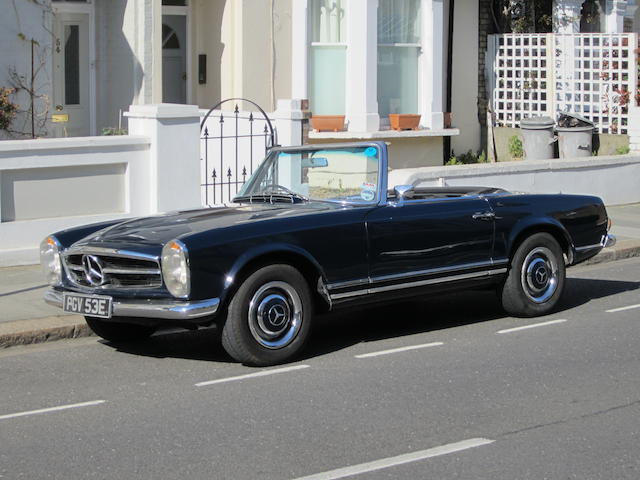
(419, 283)
(607, 240)
(466, 266)
(588, 247)
(350, 283)
(160, 309)
(417, 273)
(432, 281)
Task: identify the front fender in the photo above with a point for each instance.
(271, 253)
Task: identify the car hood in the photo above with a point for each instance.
(154, 231)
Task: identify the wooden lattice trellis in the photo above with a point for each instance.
(591, 74)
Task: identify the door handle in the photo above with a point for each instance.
(483, 216)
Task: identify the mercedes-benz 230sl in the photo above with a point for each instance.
(313, 229)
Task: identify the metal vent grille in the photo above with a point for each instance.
(108, 271)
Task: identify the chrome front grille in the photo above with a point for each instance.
(112, 271)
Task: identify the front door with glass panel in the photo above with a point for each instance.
(71, 75)
(174, 59)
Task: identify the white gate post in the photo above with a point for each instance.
(288, 122)
(174, 165)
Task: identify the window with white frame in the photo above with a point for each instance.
(327, 57)
(399, 49)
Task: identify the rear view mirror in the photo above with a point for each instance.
(314, 162)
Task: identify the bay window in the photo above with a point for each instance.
(399, 49)
(327, 62)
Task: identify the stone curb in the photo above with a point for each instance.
(39, 330)
(27, 332)
(625, 249)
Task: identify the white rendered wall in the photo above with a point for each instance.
(41, 187)
(615, 179)
(53, 184)
(27, 19)
(464, 83)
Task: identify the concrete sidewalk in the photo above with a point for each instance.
(25, 318)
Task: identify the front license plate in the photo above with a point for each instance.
(91, 305)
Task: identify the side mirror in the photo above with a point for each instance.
(315, 162)
(403, 192)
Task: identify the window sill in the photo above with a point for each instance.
(383, 134)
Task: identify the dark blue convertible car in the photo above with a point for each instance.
(313, 229)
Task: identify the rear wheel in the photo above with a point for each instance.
(269, 317)
(118, 331)
(536, 278)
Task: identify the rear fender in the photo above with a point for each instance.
(530, 225)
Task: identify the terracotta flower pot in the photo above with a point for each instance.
(404, 121)
(327, 123)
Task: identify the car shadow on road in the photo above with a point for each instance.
(346, 327)
(579, 291)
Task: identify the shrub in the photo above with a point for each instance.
(114, 131)
(515, 147)
(623, 150)
(8, 109)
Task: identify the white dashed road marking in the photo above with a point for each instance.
(399, 460)
(397, 350)
(263, 373)
(620, 309)
(52, 409)
(535, 325)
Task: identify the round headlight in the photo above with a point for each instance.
(50, 260)
(175, 268)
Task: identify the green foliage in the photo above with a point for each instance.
(8, 109)
(515, 147)
(623, 150)
(468, 158)
(114, 131)
(522, 16)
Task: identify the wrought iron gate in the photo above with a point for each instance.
(232, 145)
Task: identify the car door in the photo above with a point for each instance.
(439, 238)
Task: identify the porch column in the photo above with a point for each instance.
(362, 66)
(615, 16)
(432, 75)
(566, 16)
(299, 49)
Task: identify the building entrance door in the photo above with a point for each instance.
(71, 75)
(174, 58)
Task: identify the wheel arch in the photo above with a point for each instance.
(291, 255)
(533, 226)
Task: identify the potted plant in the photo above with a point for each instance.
(404, 121)
(327, 123)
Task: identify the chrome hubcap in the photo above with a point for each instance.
(275, 315)
(540, 275)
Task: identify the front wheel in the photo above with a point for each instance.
(536, 277)
(269, 317)
(118, 331)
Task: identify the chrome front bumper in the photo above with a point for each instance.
(152, 308)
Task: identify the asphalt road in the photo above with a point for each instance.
(471, 398)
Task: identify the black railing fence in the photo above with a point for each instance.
(233, 143)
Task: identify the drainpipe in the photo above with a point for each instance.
(447, 139)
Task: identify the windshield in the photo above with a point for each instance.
(333, 174)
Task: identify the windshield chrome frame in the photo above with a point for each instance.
(381, 188)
